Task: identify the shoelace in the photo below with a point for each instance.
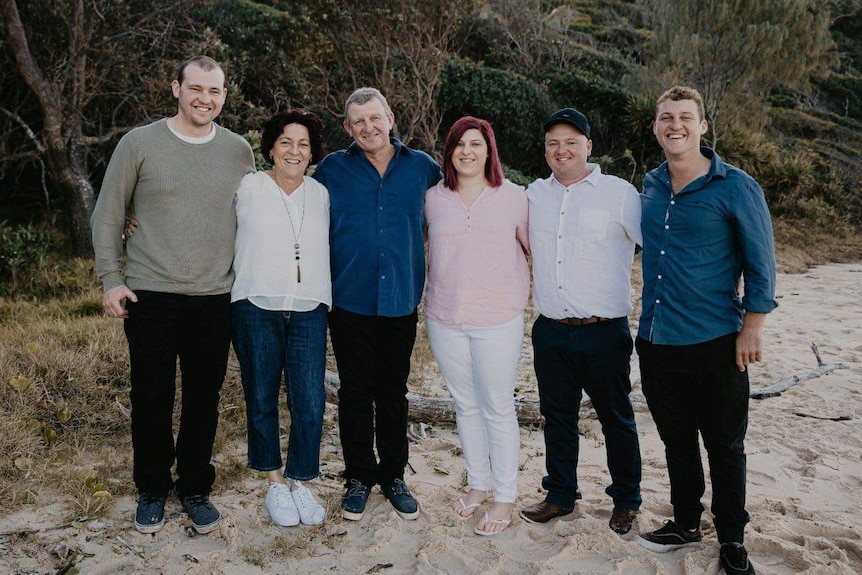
(196, 501)
(356, 488)
(282, 495)
(305, 497)
(399, 487)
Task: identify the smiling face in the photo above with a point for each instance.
(678, 128)
(470, 154)
(291, 152)
(566, 151)
(199, 99)
(369, 125)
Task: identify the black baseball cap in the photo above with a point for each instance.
(571, 117)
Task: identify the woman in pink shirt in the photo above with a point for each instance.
(478, 283)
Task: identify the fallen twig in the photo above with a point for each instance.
(788, 382)
(827, 418)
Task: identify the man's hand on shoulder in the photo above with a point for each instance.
(113, 300)
(749, 342)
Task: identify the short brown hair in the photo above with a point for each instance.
(678, 93)
(205, 63)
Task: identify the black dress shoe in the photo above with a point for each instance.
(543, 512)
(621, 520)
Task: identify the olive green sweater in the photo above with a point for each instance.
(182, 195)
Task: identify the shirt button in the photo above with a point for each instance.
(383, 277)
(659, 276)
(381, 207)
(380, 230)
(672, 202)
(658, 301)
(382, 254)
(662, 252)
(559, 287)
(559, 262)
(559, 237)
(667, 227)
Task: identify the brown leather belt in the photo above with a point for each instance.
(578, 322)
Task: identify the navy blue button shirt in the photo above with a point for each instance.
(375, 233)
(696, 245)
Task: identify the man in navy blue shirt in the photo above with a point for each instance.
(377, 194)
(705, 225)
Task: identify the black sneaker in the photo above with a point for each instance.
(401, 499)
(734, 559)
(354, 499)
(205, 517)
(669, 537)
(150, 515)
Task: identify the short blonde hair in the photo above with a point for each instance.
(678, 93)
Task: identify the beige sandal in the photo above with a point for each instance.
(504, 522)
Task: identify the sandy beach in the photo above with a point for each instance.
(804, 488)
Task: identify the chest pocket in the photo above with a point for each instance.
(592, 224)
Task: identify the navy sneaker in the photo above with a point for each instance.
(150, 515)
(205, 517)
(669, 537)
(354, 499)
(401, 499)
(734, 559)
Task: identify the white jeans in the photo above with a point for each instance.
(479, 365)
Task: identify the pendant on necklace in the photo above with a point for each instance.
(298, 273)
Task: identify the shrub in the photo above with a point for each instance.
(511, 103)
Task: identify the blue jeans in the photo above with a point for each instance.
(267, 344)
(592, 358)
(695, 389)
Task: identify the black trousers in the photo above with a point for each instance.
(162, 327)
(594, 359)
(695, 389)
(373, 357)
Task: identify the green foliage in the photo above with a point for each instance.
(511, 103)
(842, 94)
(737, 51)
(32, 266)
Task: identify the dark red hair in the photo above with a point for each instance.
(493, 169)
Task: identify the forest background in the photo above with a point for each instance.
(782, 81)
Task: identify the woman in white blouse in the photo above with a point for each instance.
(280, 300)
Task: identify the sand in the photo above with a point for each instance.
(804, 489)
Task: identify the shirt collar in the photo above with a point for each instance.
(593, 177)
(354, 148)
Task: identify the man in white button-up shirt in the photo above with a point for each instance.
(584, 226)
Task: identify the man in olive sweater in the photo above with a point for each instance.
(178, 176)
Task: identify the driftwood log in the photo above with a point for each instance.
(788, 382)
(442, 409)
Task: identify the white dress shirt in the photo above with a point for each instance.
(583, 242)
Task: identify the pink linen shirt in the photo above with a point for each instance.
(477, 270)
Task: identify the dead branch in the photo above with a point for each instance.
(442, 409)
(788, 382)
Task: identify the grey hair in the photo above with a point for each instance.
(363, 96)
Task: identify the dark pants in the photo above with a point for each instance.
(160, 328)
(592, 358)
(373, 357)
(698, 388)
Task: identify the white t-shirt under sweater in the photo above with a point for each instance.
(264, 259)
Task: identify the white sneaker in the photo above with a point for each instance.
(310, 511)
(280, 505)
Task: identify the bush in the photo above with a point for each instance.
(511, 103)
(33, 265)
